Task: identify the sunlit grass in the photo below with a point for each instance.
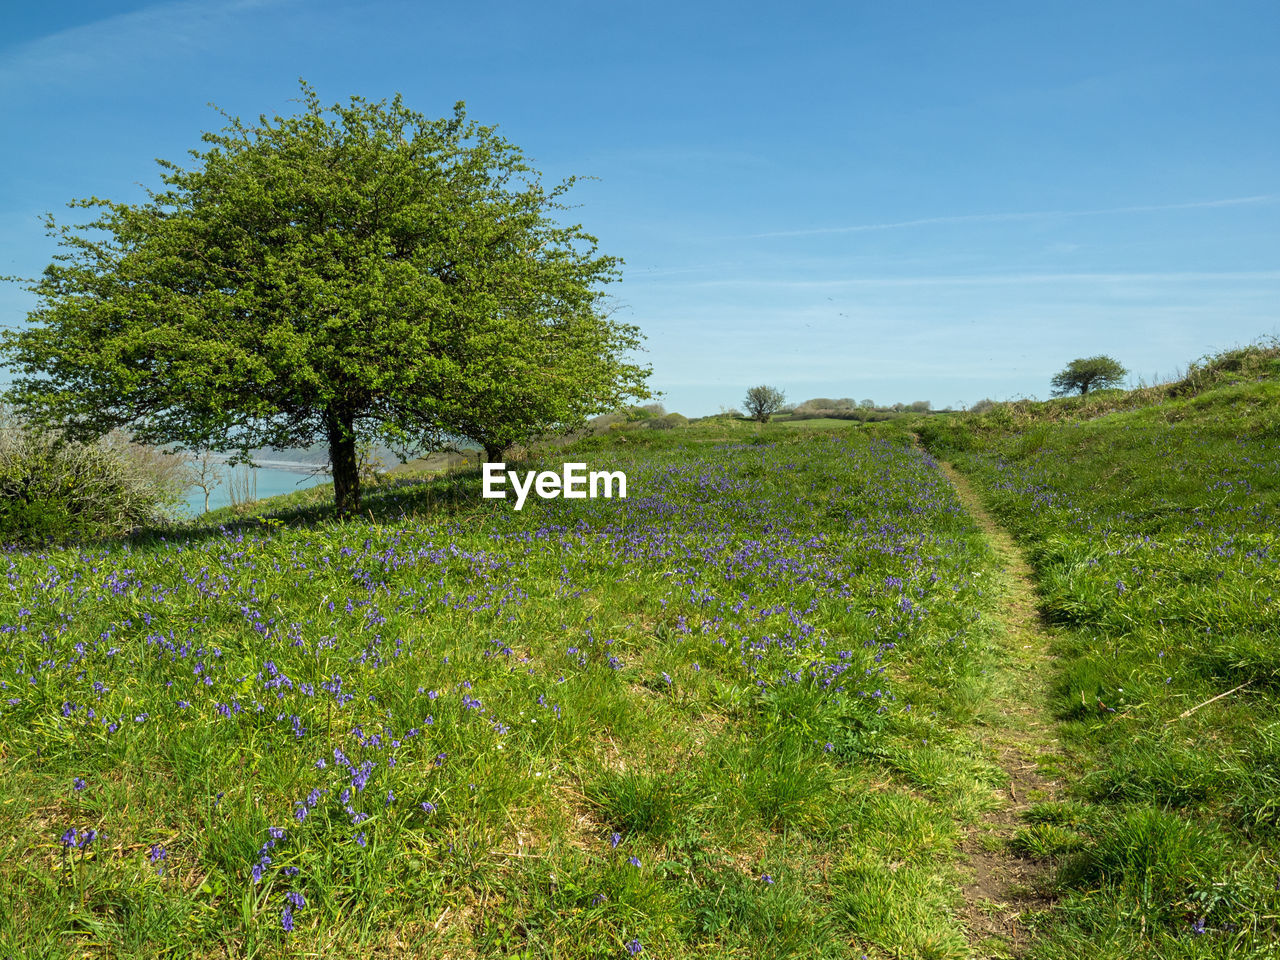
(1153, 533)
(694, 719)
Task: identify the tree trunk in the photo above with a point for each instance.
(340, 427)
(493, 452)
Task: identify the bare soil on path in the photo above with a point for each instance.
(1018, 733)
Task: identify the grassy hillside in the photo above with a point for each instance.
(745, 712)
(728, 711)
(1153, 530)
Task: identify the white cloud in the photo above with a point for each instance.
(1029, 215)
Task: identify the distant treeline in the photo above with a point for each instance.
(654, 416)
(824, 408)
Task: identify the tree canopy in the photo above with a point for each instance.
(348, 274)
(1086, 373)
(763, 402)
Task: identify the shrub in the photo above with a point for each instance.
(1258, 360)
(824, 406)
(670, 421)
(598, 425)
(54, 490)
(649, 411)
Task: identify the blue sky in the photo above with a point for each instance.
(902, 201)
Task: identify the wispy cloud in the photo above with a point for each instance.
(1009, 217)
(141, 37)
(998, 279)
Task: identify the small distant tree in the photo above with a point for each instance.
(762, 402)
(370, 464)
(205, 473)
(1086, 373)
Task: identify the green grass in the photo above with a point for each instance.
(733, 715)
(1153, 535)
(727, 716)
(817, 423)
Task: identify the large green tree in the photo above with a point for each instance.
(345, 274)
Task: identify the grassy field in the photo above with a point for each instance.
(1153, 532)
(817, 423)
(726, 712)
(745, 712)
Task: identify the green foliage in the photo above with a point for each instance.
(1256, 361)
(650, 411)
(945, 433)
(52, 490)
(669, 422)
(350, 274)
(1086, 373)
(762, 402)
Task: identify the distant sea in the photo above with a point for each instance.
(287, 471)
(269, 481)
